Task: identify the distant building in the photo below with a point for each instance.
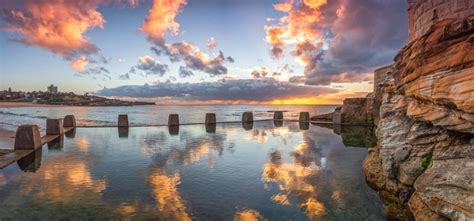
(53, 89)
(9, 90)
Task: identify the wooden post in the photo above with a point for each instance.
(122, 120)
(210, 118)
(54, 127)
(173, 120)
(27, 137)
(278, 115)
(69, 121)
(304, 117)
(247, 117)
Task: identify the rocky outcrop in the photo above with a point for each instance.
(424, 159)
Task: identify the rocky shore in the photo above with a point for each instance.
(424, 159)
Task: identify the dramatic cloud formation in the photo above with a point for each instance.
(55, 25)
(151, 66)
(224, 90)
(161, 19)
(193, 58)
(339, 40)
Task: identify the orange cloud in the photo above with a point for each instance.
(298, 27)
(162, 19)
(56, 25)
(80, 64)
(315, 3)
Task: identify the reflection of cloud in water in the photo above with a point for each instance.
(82, 143)
(168, 200)
(64, 179)
(150, 143)
(248, 215)
(294, 179)
(259, 135)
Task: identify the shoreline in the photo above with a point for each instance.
(10, 104)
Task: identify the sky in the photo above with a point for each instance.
(201, 51)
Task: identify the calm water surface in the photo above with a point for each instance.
(11, 118)
(265, 170)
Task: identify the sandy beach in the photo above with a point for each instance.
(24, 104)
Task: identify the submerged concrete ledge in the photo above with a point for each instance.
(28, 140)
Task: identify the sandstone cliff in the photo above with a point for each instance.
(423, 164)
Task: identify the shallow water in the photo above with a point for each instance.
(266, 170)
(11, 118)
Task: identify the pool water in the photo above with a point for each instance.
(265, 170)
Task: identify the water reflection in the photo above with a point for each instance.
(247, 125)
(169, 202)
(354, 136)
(56, 144)
(123, 132)
(210, 128)
(248, 215)
(294, 179)
(304, 125)
(173, 130)
(194, 174)
(31, 162)
(71, 133)
(278, 123)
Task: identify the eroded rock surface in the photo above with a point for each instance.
(424, 159)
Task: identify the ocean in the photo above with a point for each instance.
(11, 118)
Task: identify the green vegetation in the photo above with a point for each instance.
(426, 162)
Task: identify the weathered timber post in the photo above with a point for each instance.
(278, 115)
(210, 118)
(173, 120)
(69, 121)
(304, 117)
(247, 117)
(122, 120)
(27, 137)
(54, 127)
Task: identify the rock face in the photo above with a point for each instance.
(424, 159)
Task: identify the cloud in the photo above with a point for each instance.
(125, 76)
(161, 19)
(224, 90)
(230, 59)
(79, 64)
(57, 26)
(193, 58)
(261, 72)
(151, 66)
(297, 79)
(340, 40)
(184, 72)
(212, 43)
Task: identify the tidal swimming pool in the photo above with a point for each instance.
(265, 170)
